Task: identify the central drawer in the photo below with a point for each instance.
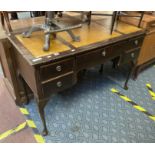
(93, 58)
(56, 69)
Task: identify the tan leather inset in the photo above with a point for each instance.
(97, 31)
(90, 34)
(35, 44)
(126, 28)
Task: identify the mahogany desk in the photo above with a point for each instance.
(54, 71)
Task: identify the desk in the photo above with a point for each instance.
(56, 70)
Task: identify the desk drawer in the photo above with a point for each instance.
(131, 55)
(134, 43)
(128, 45)
(56, 69)
(58, 84)
(101, 55)
(95, 57)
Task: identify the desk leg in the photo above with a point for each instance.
(115, 62)
(136, 72)
(24, 92)
(128, 76)
(101, 69)
(41, 105)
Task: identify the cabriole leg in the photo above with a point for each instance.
(101, 69)
(128, 76)
(41, 107)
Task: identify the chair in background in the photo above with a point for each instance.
(115, 17)
(6, 16)
(5, 21)
(130, 14)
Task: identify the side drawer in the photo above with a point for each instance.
(56, 69)
(128, 45)
(135, 42)
(58, 84)
(95, 57)
(131, 55)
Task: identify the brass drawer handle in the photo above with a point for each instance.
(58, 68)
(104, 53)
(152, 24)
(136, 42)
(132, 55)
(59, 84)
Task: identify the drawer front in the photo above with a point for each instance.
(101, 55)
(128, 45)
(130, 56)
(134, 43)
(59, 84)
(56, 69)
(95, 57)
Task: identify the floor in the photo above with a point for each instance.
(90, 112)
(10, 118)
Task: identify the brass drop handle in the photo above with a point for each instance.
(104, 53)
(58, 68)
(59, 84)
(132, 55)
(152, 25)
(136, 42)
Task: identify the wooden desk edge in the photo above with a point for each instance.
(29, 57)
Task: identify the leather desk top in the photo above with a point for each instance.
(93, 36)
(99, 31)
(88, 35)
(35, 44)
(94, 33)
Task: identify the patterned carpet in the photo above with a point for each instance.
(90, 112)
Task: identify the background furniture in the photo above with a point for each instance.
(51, 26)
(115, 15)
(147, 54)
(11, 78)
(6, 16)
